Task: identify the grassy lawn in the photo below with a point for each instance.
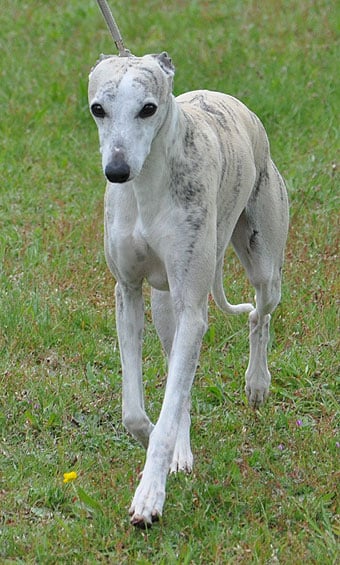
(264, 485)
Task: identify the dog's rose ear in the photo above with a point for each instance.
(165, 63)
(101, 58)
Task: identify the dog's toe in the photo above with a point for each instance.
(139, 522)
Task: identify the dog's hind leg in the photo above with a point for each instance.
(259, 239)
(130, 321)
(165, 324)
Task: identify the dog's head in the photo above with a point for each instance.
(129, 100)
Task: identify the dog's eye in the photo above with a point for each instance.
(147, 110)
(97, 110)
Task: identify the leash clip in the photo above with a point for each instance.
(114, 30)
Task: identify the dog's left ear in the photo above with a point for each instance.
(101, 58)
(165, 63)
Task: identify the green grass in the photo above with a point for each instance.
(264, 486)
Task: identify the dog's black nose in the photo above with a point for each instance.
(117, 173)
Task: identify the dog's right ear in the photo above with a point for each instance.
(165, 63)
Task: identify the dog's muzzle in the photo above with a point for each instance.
(117, 172)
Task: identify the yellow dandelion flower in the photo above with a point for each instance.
(68, 477)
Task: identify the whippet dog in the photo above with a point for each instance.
(186, 176)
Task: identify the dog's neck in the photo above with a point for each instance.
(169, 134)
(169, 140)
(165, 149)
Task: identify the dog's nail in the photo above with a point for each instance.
(139, 522)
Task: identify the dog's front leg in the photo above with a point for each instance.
(130, 322)
(149, 498)
(164, 320)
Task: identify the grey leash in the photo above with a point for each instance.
(114, 30)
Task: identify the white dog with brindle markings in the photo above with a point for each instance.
(186, 176)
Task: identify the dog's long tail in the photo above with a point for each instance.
(220, 297)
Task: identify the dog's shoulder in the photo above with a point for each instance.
(225, 110)
(211, 101)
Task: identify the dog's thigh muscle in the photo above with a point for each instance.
(259, 238)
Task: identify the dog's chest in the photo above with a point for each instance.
(131, 248)
(134, 259)
(152, 265)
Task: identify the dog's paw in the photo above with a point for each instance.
(257, 374)
(147, 504)
(257, 389)
(141, 523)
(182, 459)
